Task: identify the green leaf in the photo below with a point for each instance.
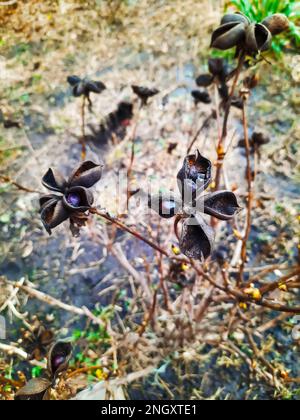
(36, 372)
(77, 334)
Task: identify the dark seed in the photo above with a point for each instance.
(57, 361)
(74, 200)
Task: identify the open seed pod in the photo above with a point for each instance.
(277, 23)
(35, 390)
(197, 238)
(59, 357)
(37, 341)
(54, 181)
(222, 204)
(78, 199)
(86, 174)
(260, 139)
(258, 38)
(194, 176)
(219, 68)
(75, 198)
(205, 80)
(53, 212)
(144, 93)
(166, 205)
(228, 35)
(85, 86)
(235, 17)
(201, 96)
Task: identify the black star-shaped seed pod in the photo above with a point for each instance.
(38, 389)
(237, 30)
(37, 341)
(144, 93)
(197, 237)
(218, 72)
(75, 199)
(84, 87)
(201, 96)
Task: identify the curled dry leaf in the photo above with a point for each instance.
(36, 389)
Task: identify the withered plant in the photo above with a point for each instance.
(215, 296)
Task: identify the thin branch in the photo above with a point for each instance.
(221, 156)
(132, 157)
(238, 294)
(49, 300)
(83, 134)
(95, 392)
(13, 350)
(129, 230)
(150, 316)
(203, 126)
(20, 187)
(121, 257)
(282, 281)
(250, 193)
(242, 297)
(8, 3)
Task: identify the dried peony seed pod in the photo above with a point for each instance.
(221, 204)
(218, 67)
(144, 93)
(59, 357)
(197, 238)
(251, 82)
(204, 80)
(235, 17)
(260, 139)
(165, 205)
(228, 36)
(75, 198)
(194, 176)
(201, 96)
(84, 87)
(277, 23)
(258, 38)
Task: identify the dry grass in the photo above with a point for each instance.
(150, 42)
